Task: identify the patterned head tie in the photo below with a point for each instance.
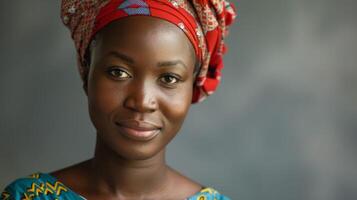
(205, 23)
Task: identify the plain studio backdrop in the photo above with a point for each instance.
(282, 125)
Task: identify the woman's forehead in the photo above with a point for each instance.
(144, 26)
(145, 33)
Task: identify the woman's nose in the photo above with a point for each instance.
(141, 98)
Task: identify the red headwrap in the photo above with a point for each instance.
(205, 23)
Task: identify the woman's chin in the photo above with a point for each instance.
(138, 153)
(134, 150)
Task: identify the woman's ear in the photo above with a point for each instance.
(86, 63)
(85, 81)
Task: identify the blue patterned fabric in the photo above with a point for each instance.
(41, 186)
(38, 186)
(141, 9)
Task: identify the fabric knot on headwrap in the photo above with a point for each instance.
(205, 23)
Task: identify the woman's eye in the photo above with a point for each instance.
(169, 79)
(118, 73)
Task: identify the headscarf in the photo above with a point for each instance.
(205, 23)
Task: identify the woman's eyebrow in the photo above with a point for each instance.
(130, 60)
(171, 63)
(121, 56)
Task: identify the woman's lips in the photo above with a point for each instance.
(138, 130)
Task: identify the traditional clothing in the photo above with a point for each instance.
(205, 23)
(42, 186)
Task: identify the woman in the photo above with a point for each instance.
(142, 62)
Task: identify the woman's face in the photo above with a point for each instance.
(140, 85)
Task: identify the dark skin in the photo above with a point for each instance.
(142, 73)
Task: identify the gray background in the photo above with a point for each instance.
(282, 125)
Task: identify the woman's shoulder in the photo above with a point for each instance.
(37, 185)
(209, 193)
(205, 193)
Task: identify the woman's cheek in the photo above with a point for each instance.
(104, 96)
(178, 103)
(102, 104)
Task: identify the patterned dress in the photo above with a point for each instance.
(42, 186)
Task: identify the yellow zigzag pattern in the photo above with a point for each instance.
(206, 190)
(47, 188)
(27, 197)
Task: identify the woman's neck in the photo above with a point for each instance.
(122, 177)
